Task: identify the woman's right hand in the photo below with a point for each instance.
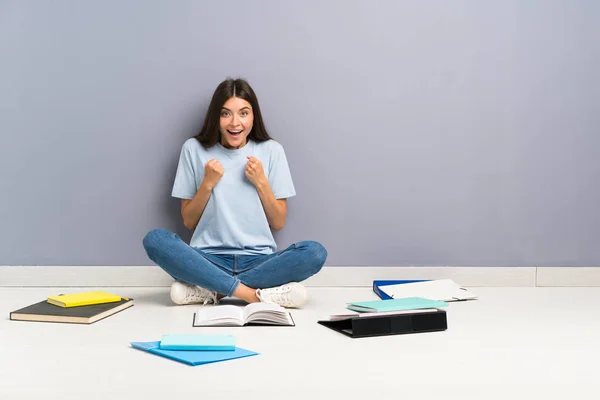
(213, 171)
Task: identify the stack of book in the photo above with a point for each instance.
(406, 306)
(195, 349)
(75, 308)
(390, 317)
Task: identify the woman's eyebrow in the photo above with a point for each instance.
(243, 108)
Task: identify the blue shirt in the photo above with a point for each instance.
(234, 220)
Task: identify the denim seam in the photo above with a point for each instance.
(233, 287)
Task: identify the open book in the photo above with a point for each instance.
(252, 314)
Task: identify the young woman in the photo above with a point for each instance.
(233, 181)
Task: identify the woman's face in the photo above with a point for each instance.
(236, 122)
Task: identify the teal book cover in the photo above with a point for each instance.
(197, 342)
(408, 303)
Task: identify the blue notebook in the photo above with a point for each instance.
(197, 342)
(407, 303)
(192, 357)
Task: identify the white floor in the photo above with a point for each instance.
(522, 342)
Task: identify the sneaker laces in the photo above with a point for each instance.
(278, 295)
(196, 294)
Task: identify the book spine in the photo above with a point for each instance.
(399, 324)
(380, 292)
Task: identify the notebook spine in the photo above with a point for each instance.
(400, 324)
(379, 284)
(380, 292)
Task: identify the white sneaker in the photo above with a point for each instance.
(291, 295)
(182, 293)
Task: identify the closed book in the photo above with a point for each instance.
(197, 342)
(408, 303)
(83, 299)
(46, 312)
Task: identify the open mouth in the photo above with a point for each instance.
(235, 133)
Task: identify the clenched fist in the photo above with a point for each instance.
(254, 171)
(213, 172)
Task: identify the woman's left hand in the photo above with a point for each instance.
(254, 171)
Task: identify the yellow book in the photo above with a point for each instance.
(83, 299)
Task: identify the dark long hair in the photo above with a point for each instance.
(209, 134)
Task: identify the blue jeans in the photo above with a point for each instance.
(224, 272)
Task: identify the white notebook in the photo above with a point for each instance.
(441, 289)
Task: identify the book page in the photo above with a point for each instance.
(336, 317)
(255, 307)
(226, 314)
(266, 313)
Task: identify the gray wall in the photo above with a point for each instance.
(417, 132)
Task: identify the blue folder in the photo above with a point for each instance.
(193, 357)
(378, 284)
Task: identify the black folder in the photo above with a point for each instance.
(357, 327)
